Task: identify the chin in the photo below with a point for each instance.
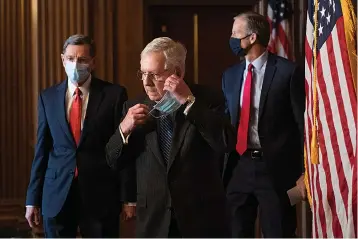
(155, 97)
(81, 82)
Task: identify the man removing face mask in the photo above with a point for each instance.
(177, 153)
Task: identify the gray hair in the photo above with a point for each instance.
(80, 39)
(174, 52)
(258, 24)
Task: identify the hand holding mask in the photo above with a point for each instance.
(136, 115)
(177, 92)
(178, 88)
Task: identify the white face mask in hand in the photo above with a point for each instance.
(167, 105)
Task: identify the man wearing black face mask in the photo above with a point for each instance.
(265, 98)
(235, 45)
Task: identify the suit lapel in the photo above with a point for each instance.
(268, 77)
(151, 133)
(95, 99)
(235, 104)
(180, 128)
(61, 112)
(153, 143)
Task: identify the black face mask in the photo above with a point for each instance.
(235, 45)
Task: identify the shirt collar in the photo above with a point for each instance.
(258, 62)
(84, 88)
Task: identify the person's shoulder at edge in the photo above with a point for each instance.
(141, 98)
(51, 88)
(208, 94)
(283, 62)
(107, 84)
(234, 66)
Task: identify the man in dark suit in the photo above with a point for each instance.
(177, 156)
(70, 180)
(265, 98)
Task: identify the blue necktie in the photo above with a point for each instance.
(165, 134)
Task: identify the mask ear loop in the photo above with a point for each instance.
(151, 111)
(157, 117)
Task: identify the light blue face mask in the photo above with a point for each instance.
(167, 105)
(76, 72)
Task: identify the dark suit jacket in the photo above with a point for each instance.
(281, 113)
(191, 185)
(56, 152)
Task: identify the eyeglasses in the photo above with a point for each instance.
(151, 76)
(80, 60)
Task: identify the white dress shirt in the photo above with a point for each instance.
(70, 96)
(259, 66)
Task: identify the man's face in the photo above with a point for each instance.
(239, 30)
(80, 54)
(152, 66)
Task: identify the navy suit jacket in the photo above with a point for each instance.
(281, 118)
(56, 152)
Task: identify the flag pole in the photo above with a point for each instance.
(314, 140)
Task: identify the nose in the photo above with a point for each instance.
(147, 81)
(145, 77)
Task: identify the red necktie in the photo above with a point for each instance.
(241, 144)
(75, 118)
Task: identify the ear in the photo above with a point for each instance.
(253, 38)
(63, 59)
(178, 71)
(93, 64)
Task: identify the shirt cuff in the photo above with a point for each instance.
(125, 139)
(188, 107)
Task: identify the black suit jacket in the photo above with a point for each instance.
(191, 185)
(56, 151)
(281, 121)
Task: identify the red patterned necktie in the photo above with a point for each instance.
(75, 118)
(242, 136)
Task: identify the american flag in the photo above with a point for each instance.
(331, 178)
(278, 12)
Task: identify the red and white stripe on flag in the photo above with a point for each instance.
(332, 183)
(277, 15)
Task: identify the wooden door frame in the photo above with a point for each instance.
(200, 2)
(149, 3)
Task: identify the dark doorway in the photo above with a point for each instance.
(209, 53)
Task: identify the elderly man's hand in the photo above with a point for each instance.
(178, 88)
(136, 115)
(129, 211)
